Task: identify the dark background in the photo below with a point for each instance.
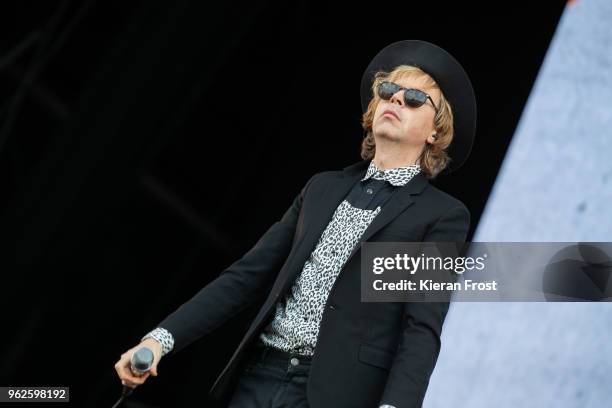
(145, 146)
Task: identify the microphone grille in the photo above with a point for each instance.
(142, 360)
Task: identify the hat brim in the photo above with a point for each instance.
(448, 74)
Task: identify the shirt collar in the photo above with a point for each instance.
(397, 176)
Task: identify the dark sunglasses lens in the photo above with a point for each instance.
(414, 98)
(387, 89)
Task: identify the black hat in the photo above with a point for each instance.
(450, 76)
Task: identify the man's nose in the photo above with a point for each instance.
(397, 98)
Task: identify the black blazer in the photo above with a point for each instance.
(367, 353)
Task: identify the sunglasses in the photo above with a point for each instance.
(412, 97)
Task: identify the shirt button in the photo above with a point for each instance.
(369, 191)
(295, 361)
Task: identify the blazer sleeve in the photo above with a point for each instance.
(239, 285)
(422, 326)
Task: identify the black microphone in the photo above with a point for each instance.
(140, 363)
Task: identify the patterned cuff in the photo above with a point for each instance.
(164, 337)
(387, 406)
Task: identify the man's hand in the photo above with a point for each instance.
(123, 365)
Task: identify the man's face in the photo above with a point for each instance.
(394, 120)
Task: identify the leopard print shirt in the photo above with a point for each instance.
(295, 325)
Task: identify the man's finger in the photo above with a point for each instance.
(120, 367)
(129, 376)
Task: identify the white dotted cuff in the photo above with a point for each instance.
(164, 337)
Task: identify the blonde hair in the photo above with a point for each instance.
(434, 157)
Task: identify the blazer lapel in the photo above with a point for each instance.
(325, 203)
(328, 201)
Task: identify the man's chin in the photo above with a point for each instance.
(390, 136)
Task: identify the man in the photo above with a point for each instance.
(313, 342)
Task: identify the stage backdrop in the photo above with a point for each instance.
(555, 185)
